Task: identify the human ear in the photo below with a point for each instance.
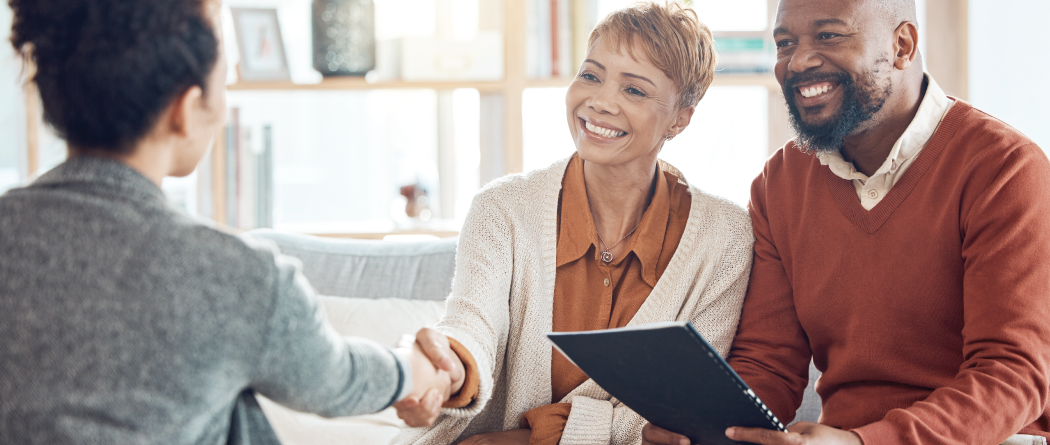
(906, 45)
(685, 115)
(183, 110)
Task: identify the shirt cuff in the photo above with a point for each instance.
(404, 385)
(547, 423)
(471, 382)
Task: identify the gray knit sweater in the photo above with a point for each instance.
(122, 321)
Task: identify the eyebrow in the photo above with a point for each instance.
(596, 63)
(816, 24)
(634, 76)
(824, 22)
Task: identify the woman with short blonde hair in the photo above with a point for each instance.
(609, 237)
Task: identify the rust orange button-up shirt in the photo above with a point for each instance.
(590, 294)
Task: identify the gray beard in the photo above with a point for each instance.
(859, 105)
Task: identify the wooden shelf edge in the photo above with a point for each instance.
(745, 80)
(357, 83)
(561, 82)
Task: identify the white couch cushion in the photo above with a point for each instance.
(379, 320)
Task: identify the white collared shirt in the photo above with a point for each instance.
(871, 190)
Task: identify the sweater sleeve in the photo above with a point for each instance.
(477, 312)
(771, 351)
(1002, 384)
(307, 366)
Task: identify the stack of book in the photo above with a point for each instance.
(246, 164)
(551, 48)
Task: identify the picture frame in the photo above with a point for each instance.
(260, 44)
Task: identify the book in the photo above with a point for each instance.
(668, 374)
(233, 149)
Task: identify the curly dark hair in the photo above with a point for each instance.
(107, 69)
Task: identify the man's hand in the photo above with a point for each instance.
(435, 346)
(431, 386)
(511, 437)
(802, 433)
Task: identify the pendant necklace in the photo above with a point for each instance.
(606, 256)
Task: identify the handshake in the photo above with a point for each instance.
(437, 375)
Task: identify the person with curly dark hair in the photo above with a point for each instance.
(124, 321)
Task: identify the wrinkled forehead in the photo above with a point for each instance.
(857, 14)
(804, 12)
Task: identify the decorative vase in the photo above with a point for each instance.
(344, 37)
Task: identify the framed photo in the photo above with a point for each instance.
(260, 44)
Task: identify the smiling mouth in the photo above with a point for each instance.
(816, 90)
(602, 131)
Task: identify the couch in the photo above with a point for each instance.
(380, 290)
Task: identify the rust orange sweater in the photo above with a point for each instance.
(929, 315)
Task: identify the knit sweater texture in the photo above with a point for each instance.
(928, 314)
(123, 321)
(502, 301)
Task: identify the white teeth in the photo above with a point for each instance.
(814, 91)
(605, 132)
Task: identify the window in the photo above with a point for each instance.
(342, 156)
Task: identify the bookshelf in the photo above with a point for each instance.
(501, 139)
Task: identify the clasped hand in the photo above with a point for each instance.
(802, 433)
(437, 375)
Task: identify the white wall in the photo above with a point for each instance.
(1010, 64)
(12, 110)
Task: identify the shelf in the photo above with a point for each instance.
(359, 83)
(548, 83)
(746, 80)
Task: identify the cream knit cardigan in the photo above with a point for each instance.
(502, 299)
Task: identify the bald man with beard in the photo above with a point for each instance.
(902, 242)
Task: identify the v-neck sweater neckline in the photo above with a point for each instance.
(845, 194)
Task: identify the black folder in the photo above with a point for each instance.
(669, 375)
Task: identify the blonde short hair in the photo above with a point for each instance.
(673, 38)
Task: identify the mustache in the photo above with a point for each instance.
(798, 79)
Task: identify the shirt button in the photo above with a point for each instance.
(606, 282)
(873, 194)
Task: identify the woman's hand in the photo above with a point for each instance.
(802, 433)
(435, 346)
(654, 435)
(510, 437)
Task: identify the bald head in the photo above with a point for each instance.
(895, 12)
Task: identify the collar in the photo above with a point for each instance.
(577, 233)
(934, 106)
(99, 173)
